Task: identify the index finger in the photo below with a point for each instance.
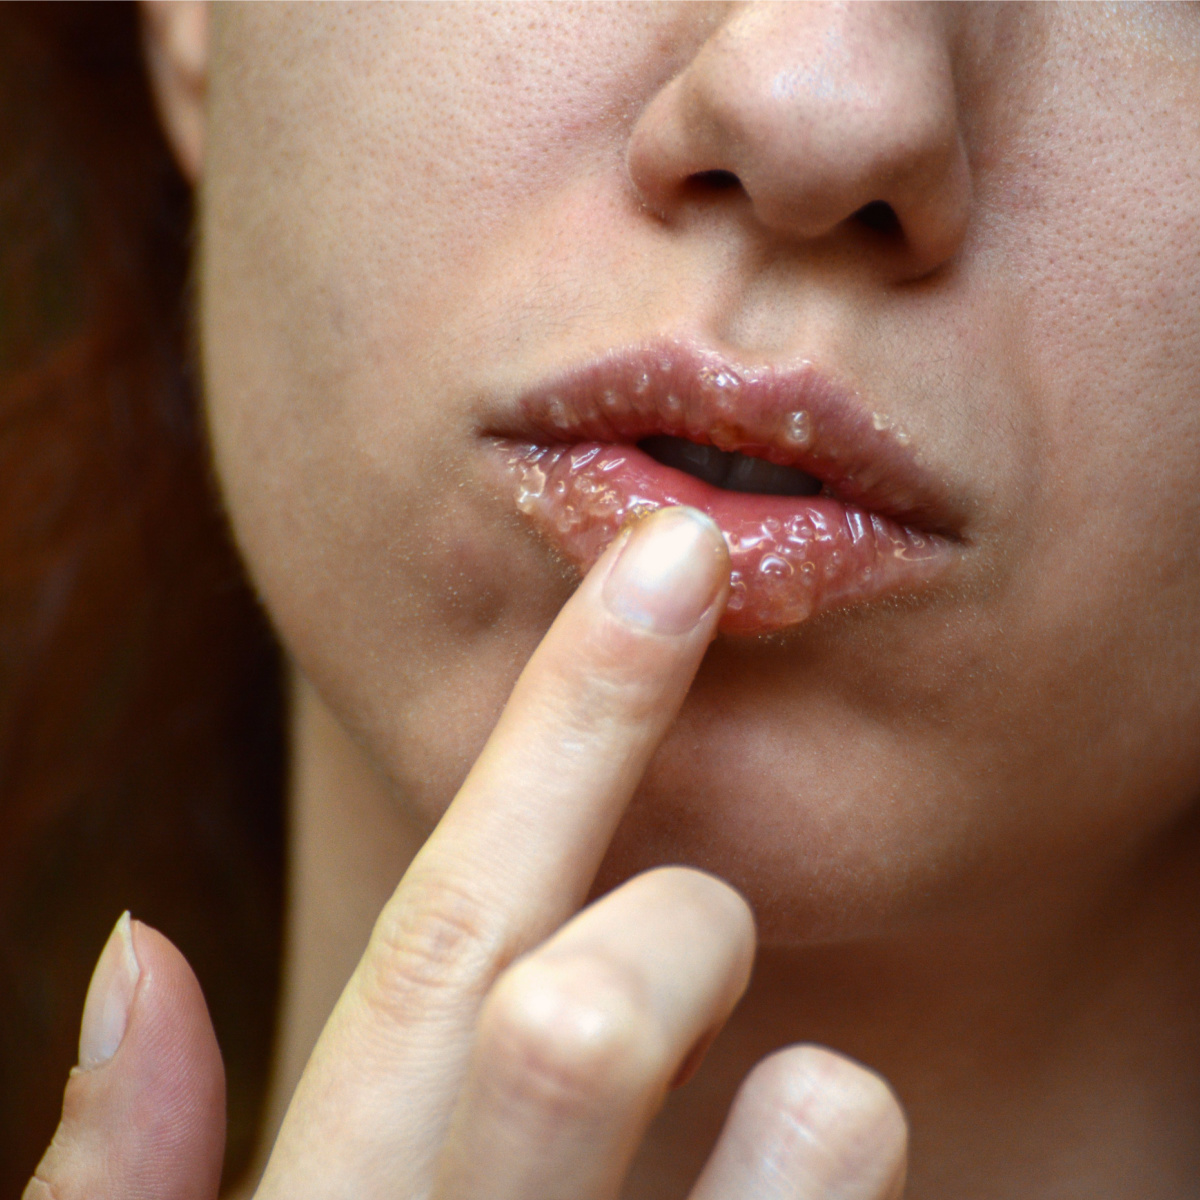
(535, 815)
(511, 859)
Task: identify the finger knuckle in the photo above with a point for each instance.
(566, 1039)
(69, 1166)
(832, 1119)
(433, 941)
(40, 1189)
(57, 1175)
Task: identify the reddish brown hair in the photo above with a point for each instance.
(140, 747)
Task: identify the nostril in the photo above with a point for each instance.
(878, 216)
(715, 181)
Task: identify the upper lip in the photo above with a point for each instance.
(859, 451)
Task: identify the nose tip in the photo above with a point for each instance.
(831, 118)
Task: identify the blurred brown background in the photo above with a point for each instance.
(140, 735)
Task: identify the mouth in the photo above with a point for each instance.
(823, 502)
(730, 470)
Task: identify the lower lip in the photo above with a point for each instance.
(791, 557)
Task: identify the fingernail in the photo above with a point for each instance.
(669, 572)
(109, 997)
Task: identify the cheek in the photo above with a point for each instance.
(1093, 216)
(383, 578)
(1114, 295)
(1085, 259)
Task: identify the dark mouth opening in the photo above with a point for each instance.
(728, 469)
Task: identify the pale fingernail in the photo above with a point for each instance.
(109, 997)
(669, 572)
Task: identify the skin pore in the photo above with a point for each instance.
(963, 817)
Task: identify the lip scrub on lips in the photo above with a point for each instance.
(790, 557)
(571, 455)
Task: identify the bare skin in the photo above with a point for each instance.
(964, 820)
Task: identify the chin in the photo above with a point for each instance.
(830, 833)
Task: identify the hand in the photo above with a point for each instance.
(494, 1041)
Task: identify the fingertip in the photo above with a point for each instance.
(172, 1034)
(670, 573)
(150, 1119)
(724, 906)
(816, 1120)
(849, 1111)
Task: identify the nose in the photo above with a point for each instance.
(837, 120)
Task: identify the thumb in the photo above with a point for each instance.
(144, 1112)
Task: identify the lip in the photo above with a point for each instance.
(883, 523)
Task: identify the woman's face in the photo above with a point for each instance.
(427, 232)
